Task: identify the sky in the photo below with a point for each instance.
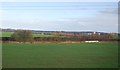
(60, 16)
(59, 0)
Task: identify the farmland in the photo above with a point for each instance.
(5, 34)
(81, 55)
(8, 34)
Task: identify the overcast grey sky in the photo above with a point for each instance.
(60, 16)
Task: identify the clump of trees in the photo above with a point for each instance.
(22, 36)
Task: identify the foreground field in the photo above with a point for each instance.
(83, 55)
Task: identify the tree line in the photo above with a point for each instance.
(27, 36)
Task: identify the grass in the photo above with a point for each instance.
(83, 55)
(8, 34)
(5, 34)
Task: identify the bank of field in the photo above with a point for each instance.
(83, 55)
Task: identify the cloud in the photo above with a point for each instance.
(59, 0)
(107, 22)
(110, 11)
(1, 11)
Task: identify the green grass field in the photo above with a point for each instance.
(5, 34)
(83, 55)
(8, 34)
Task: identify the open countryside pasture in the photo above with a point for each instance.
(82, 55)
(8, 34)
(5, 34)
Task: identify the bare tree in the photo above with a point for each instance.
(23, 36)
